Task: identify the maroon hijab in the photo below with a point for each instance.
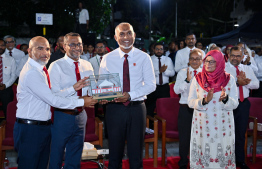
(226, 55)
(216, 79)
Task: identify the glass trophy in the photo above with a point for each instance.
(105, 86)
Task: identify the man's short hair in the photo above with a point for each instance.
(3, 41)
(124, 23)
(22, 46)
(237, 48)
(100, 42)
(8, 36)
(190, 33)
(197, 51)
(59, 37)
(158, 43)
(70, 34)
(172, 42)
(245, 46)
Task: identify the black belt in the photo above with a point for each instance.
(33, 122)
(184, 105)
(71, 112)
(132, 103)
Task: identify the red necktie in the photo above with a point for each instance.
(1, 70)
(10, 53)
(241, 95)
(47, 75)
(78, 77)
(101, 58)
(126, 79)
(195, 72)
(160, 74)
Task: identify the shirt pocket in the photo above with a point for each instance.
(6, 70)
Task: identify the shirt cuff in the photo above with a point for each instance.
(80, 102)
(132, 95)
(71, 90)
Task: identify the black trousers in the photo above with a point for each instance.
(184, 128)
(126, 123)
(6, 96)
(162, 91)
(241, 114)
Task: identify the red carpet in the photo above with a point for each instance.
(172, 163)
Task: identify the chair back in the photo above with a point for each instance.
(90, 124)
(10, 119)
(172, 92)
(255, 108)
(168, 108)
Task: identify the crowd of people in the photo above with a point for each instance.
(213, 85)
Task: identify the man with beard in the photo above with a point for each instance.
(182, 56)
(126, 117)
(24, 48)
(59, 53)
(32, 133)
(245, 80)
(11, 50)
(164, 69)
(69, 124)
(7, 76)
(96, 60)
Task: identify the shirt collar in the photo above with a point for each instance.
(35, 64)
(240, 65)
(130, 53)
(3, 55)
(190, 49)
(71, 61)
(191, 69)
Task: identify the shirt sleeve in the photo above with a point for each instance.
(54, 71)
(178, 64)
(232, 92)
(194, 101)
(181, 85)
(254, 83)
(13, 76)
(149, 80)
(87, 15)
(170, 68)
(38, 86)
(253, 65)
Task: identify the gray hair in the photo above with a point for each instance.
(124, 23)
(70, 34)
(8, 36)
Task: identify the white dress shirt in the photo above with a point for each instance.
(63, 77)
(169, 71)
(9, 68)
(16, 54)
(21, 64)
(83, 56)
(34, 96)
(86, 56)
(83, 16)
(95, 62)
(182, 58)
(181, 86)
(141, 71)
(167, 53)
(254, 83)
(258, 61)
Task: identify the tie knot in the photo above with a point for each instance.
(44, 69)
(126, 55)
(76, 64)
(236, 67)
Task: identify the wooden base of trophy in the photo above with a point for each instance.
(108, 97)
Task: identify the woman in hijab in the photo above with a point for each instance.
(213, 96)
(227, 52)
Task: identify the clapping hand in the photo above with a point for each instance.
(209, 95)
(223, 95)
(189, 75)
(163, 68)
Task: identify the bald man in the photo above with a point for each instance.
(32, 133)
(126, 117)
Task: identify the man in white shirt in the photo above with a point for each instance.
(69, 124)
(7, 76)
(11, 50)
(163, 68)
(126, 117)
(96, 60)
(182, 55)
(258, 60)
(245, 80)
(185, 115)
(32, 133)
(59, 53)
(87, 52)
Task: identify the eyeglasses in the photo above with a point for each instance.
(100, 47)
(236, 56)
(157, 49)
(73, 45)
(10, 41)
(193, 59)
(211, 62)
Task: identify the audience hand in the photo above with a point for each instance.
(223, 94)
(189, 75)
(2, 86)
(163, 68)
(209, 95)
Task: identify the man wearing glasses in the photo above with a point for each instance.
(245, 80)
(96, 60)
(69, 124)
(163, 67)
(11, 50)
(182, 86)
